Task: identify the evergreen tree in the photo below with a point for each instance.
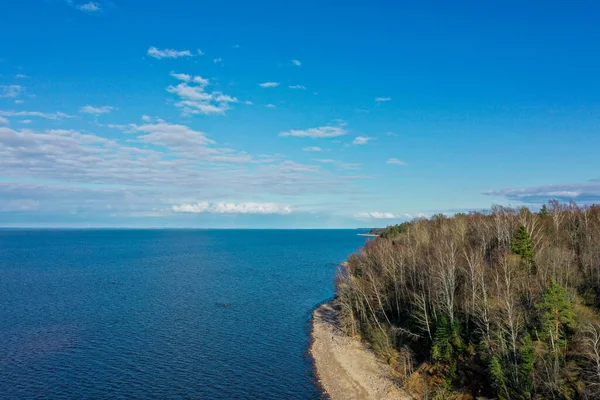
(557, 315)
(544, 212)
(526, 365)
(498, 378)
(522, 245)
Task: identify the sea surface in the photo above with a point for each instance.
(163, 314)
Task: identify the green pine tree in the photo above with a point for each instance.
(526, 365)
(498, 378)
(522, 245)
(557, 315)
(544, 212)
(442, 347)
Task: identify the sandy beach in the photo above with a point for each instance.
(345, 368)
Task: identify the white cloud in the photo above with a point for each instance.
(11, 90)
(360, 140)
(200, 52)
(26, 121)
(22, 76)
(380, 99)
(19, 101)
(395, 161)
(232, 208)
(271, 106)
(168, 53)
(181, 77)
(89, 7)
(223, 98)
(195, 99)
(146, 118)
(320, 132)
(200, 80)
(376, 215)
(297, 87)
(217, 60)
(171, 135)
(581, 192)
(190, 92)
(54, 116)
(96, 110)
(296, 63)
(3, 121)
(314, 148)
(248, 102)
(340, 164)
(191, 107)
(268, 84)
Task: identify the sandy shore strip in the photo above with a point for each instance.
(345, 368)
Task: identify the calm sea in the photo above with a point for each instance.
(162, 314)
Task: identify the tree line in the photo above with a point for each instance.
(501, 304)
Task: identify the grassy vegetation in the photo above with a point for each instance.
(501, 304)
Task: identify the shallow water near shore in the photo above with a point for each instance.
(155, 314)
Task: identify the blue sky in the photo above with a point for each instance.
(293, 114)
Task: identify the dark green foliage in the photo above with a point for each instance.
(544, 212)
(498, 378)
(557, 315)
(395, 230)
(442, 349)
(522, 245)
(526, 366)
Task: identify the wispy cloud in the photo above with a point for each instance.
(22, 76)
(314, 148)
(271, 106)
(395, 161)
(168, 53)
(89, 7)
(340, 164)
(360, 140)
(376, 215)
(199, 52)
(232, 208)
(581, 192)
(301, 87)
(268, 84)
(181, 77)
(96, 110)
(320, 132)
(217, 60)
(3, 121)
(54, 116)
(296, 63)
(380, 99)
(11, 90)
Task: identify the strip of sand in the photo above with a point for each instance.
(345, 367)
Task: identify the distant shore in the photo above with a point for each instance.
(347, 369)
(368, 234)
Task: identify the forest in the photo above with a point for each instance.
(499, 304)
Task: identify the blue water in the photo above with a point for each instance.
(162, 314)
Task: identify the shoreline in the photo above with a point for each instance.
(367, 234)
(345, 368)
